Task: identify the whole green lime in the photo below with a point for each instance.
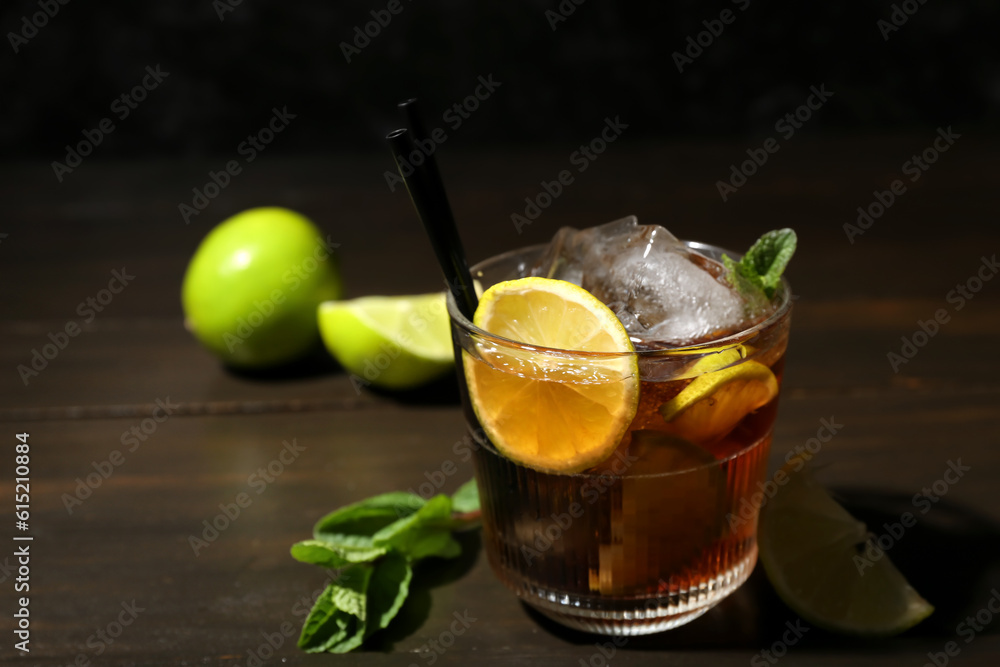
(252, 288)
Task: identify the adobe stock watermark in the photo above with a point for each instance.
(381, 364)
(900, 14)
(801, 454)
(258, 482)
(30, 25)
(273, 641)
(455, 116)
(786, 126)
(363, 35)
(968, 630)
(779, 649)
(605, 651)
(293, 277)
(591, 491)
(121, 107)
(696, 44)
(958, 296)
(223, 7)
(7, 569)
(562, 12)
(433, 649)
(59, 340)
(248, 149)
(131, 440)
(103, 638)
(437, 478)
(914, 168)
(876, 546)
(581, 159)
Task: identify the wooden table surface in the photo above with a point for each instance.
(114, 579)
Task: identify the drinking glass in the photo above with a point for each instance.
(662, 530)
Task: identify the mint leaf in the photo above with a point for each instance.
(354, 525)
(387, 591)
(763, 264)
(770, 255)
(428, 542)
(337, 620)
(333, 556)
(374, 544)
(425, 533)
(743, 277)
(354, 636)
(466, 499)
(363, 600)
(363, 531)
(325, 626)
(436, 511)
(349, 591)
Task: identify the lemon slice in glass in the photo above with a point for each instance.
(715, 402)
(546, 410)
(713, 360)
(391, 342)
(815, 557)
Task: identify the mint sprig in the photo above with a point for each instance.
(374, 545)
(762, 265)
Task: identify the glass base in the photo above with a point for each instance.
(636, 616)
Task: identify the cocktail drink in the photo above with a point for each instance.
(617, 485)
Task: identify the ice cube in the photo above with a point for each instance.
(571, 251)
(660, 290)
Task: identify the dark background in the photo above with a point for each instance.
(939, 68)
(858, 299)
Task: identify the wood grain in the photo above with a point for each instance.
(130, 539)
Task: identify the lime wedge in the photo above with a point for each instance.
(391, 342)
(815, 556)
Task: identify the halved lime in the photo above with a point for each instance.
(817, 558)
(393, 342)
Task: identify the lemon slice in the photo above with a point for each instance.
(715, 402)
(719, 358)
(815, 557)
(391, 342)
(548, 410)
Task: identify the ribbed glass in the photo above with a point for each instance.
(622, 555)
(661, 531)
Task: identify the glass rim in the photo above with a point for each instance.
(708, 347)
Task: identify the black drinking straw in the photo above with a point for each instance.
(418, 134)
(423, 183)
